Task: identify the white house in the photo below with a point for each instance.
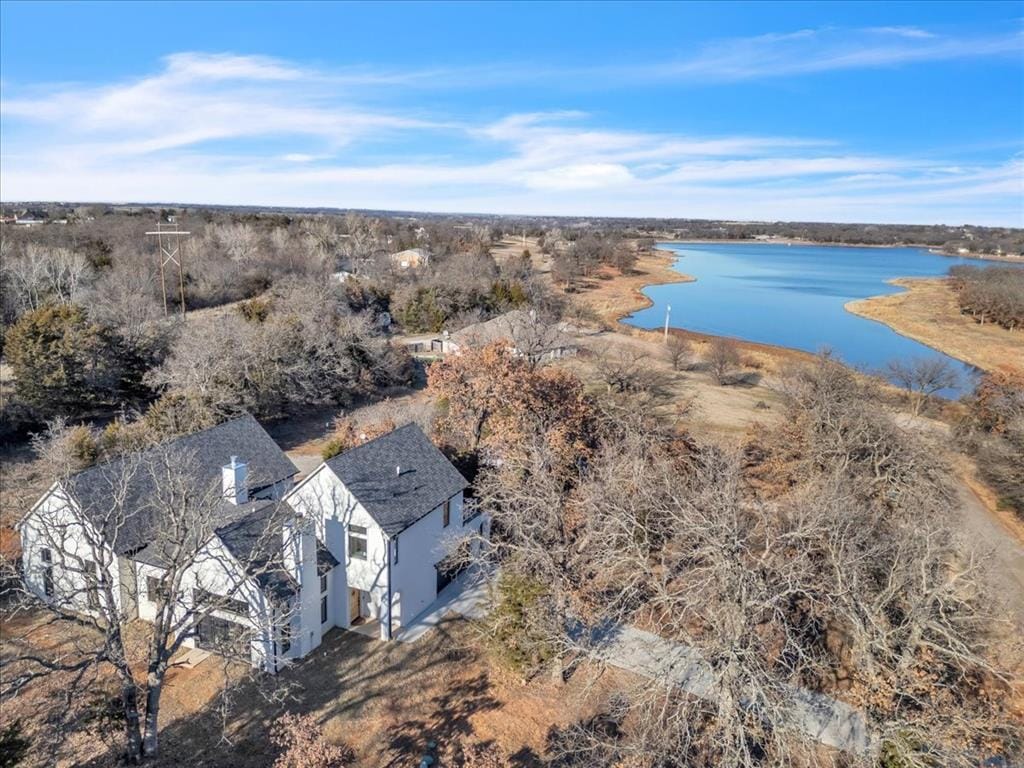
(393, 513)
(244, 562)
(269, 567)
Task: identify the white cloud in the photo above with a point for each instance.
(822, 50)
(220, 128)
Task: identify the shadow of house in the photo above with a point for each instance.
(350, 679)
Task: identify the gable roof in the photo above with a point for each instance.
(397, 499)
(205, 453)
(254, 535)
(517, 326)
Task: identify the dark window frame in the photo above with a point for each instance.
(224, 603)
(46, 555)
(154, 588)
(446, 513)
(323, 609)
(286, 637)
(92, 589)
(323, 584)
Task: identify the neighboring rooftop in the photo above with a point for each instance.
(202, 453)
(519, 327)
(398, 477)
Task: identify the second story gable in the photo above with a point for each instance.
(379, 489)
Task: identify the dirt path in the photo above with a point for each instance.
(1000, 547)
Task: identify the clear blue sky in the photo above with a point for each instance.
(883, 112)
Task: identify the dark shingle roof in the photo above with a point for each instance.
(253, 534)
(255, 539)
(202, 453)
(396, 501)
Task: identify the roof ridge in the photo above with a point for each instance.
(163, 444)
(380, 437)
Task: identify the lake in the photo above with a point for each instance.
(793, 296)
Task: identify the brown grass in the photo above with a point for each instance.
(386, 701)
(613, 296)
(927, 311)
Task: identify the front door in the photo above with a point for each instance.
(354, 598)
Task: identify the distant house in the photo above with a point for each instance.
(392, 511)
(30, 218)
(411, 258)
(526, 334)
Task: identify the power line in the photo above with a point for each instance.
(169, 240)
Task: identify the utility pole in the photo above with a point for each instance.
(168, 240)
(668, 310)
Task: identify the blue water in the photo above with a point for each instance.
(793, 296)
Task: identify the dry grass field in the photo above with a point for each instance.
(927, 312)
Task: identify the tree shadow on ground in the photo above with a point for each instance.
(349, 678)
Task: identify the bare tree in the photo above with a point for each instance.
(922, 377)
(723, 358)
(44, 274)
(151, 500)
(843, 594)
(679, 352)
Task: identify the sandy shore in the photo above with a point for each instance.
(927, 311)
(614, 297)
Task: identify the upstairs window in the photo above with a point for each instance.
(47, 557)
(92, 590)
(395, 560)
(323, 583)
(446, 514)
(204, 599)
(357, 542)
(155, 590)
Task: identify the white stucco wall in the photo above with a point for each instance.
(420, 547)
(324, 497)
(55, 524)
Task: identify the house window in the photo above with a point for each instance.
(155, 590)
(357, 542)
(47, 558)
(286, 638)
(446, 515)
(92, 590)
(202, 599)
(395, 561)
(323, 609)
(323, 583)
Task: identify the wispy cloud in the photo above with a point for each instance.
(200, 98)
(810, 51)
(225, 128)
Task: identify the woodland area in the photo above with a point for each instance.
(991, 294)
(819, 551)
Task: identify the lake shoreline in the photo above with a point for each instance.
(667, 274)
(926, 312)
(638, 315)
